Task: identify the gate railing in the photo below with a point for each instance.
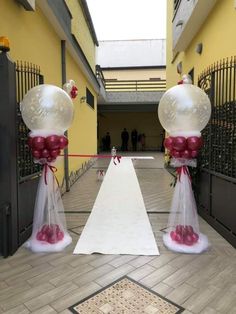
(219, 152)
(27, 76)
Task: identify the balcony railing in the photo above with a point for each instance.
(135, 85)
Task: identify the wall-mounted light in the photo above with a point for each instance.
(4, 44)
(83, 99)
(179, 23)
(179, 67)
(199, 48)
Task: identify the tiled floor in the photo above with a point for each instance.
(50, 283)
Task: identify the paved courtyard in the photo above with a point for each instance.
(50, 283)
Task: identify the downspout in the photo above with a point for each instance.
(63, 72)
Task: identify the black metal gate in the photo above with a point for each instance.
(27, 76)
(18, 174)
(217, 164)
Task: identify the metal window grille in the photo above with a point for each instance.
(27, 76)
(219, 152)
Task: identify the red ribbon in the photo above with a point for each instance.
(97, 156)
(53, 169)
(185, 170)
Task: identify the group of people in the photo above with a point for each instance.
(135, 139)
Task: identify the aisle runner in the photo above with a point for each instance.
(118, 223)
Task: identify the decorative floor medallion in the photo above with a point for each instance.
(125, 296)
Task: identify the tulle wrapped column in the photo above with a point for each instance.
(184, 111)
(47, 111)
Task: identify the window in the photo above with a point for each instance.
(191, 73)
(176, 6)
(89, 98)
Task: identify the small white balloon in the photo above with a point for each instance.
(47, 107)
(184, 110)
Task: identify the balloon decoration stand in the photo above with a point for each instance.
(48, 111)
(184, 110)
(49, 227)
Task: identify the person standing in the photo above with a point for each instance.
(125, 139)
(134, 139)
(143, 141)
(108, 141)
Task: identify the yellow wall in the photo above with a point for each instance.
(83, 131)
(217, 36)
(144, 122)
(81, 31)
(33, 39)
(135, 74)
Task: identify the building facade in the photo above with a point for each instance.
(50, 42)
(132, 76)
(199, 43)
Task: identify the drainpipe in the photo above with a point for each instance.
(63, 72)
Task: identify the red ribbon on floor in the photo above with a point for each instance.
(96, 156)
(185, 170)
(51, 168)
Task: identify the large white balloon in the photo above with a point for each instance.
(47, 107)
(184, 110)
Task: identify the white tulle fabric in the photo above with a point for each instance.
(49, 225)
(183, 234)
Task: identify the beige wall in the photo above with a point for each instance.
(32, 39)
(135, 74)
(217, 35)
(81, 31)
(144, 122)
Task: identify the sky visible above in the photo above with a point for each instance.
(128, 19)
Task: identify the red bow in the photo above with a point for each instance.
(185, 170)
(74, 92)
(53, 169)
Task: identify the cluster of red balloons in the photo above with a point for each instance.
(47, 147)
(184, 235)
(181, 147)
(50, 233)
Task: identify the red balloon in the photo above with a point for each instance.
(195, 237)
(42, 237)
(194, 153)
(44, 228)
(45, 153)
(36, 153)
(38, 142)
(168, 142)
(179, 143)
(189, 229)
(188, 240)
(63, 142)
(172, 235)
(186, 154)
(175, 153)
(52, 239)
(52, 142)
(179, 238)
(54, 153)
(39, 235)
(194, 142)
(29, 141)
(179, 229)
(60, 235)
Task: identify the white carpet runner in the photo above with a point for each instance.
(118, 223)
